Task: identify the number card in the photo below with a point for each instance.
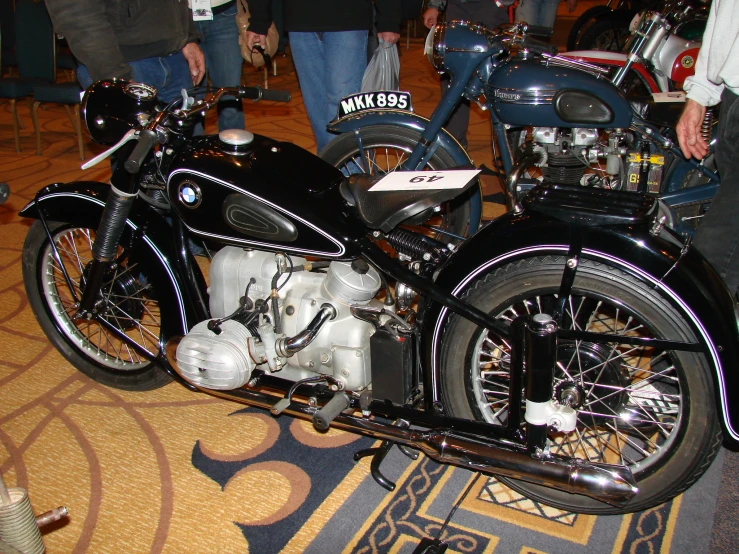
(425, 180)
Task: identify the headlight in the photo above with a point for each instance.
(111, 107)
(435, 47)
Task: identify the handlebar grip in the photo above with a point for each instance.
(539, 31)
(147, 140)
(259, 93)
(538, 46)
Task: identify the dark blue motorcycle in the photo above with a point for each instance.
(555, 120)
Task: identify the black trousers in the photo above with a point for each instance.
(717, 236)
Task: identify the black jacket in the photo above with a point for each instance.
(105, 34)
(327, 15)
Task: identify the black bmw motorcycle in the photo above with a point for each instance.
(573, 347)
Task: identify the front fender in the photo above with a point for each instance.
(81, 203)
(400, 118)
(686, 280)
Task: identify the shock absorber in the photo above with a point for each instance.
(707, 125)
(417, 247)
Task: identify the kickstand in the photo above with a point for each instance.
(378, 454)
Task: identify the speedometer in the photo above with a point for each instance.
(141, 91)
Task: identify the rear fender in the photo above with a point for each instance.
(81, 203)
(686, 280)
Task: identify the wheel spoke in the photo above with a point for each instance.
(127, 301)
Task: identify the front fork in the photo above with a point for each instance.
(123, 192)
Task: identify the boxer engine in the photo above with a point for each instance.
(282, 314)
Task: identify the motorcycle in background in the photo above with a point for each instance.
(574, 347)
(656, 58)
(555, 119)
(609, 26)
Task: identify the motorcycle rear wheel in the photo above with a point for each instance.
(127, 301)
(651, 410)
(386, 148)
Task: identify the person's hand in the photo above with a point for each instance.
(430, 17)
(689, 130)
(571, 5)
(253, 39)
(195, 60)
(390, 38)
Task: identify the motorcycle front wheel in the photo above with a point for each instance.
(127, 305)
(608, 35)
(650, 409)
(384, 149)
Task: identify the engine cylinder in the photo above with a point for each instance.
(563, 169)
(212, 361)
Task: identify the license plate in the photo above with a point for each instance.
(375, 100)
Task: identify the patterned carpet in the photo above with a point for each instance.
(176, 471)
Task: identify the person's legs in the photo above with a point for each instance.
(307, 52)
(178, 77)
(223, 61)
(538, 12)
(717, 236)
(345, 56)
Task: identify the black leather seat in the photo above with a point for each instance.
(385, 210)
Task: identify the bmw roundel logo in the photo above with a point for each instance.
(189, 194)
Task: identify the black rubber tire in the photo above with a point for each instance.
(670, 412)
(51, 302)
(342, 150)
(608, 35)
(586, 19)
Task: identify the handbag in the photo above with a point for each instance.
(273, 38)
(383, 70)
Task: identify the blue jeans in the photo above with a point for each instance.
(330, 66)
(169, 75)
(538, 12)
(219, 40)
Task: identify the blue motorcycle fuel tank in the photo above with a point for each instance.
(527, 92)
(261, 193)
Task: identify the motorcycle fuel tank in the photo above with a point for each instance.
(529, 92)
(247, 190)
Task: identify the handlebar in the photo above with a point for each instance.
(539, 31)
(147, 140)
(148, 137)
(259, 93)
(538, 46)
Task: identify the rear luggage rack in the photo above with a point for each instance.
(590, 206)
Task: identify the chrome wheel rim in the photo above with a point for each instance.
(126, 300)
(633, 398)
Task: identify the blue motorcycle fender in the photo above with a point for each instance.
(81, 203)
(684, 279)
(408, 120)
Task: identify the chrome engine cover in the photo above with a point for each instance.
(219, 362)
(342, 347)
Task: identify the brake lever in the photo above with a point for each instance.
(131, 134)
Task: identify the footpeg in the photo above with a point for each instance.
(322, 418)
(280, 406)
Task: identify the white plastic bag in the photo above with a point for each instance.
(383, 70)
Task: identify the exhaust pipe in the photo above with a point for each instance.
(612, 484)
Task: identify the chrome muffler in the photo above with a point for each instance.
(612, 484)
